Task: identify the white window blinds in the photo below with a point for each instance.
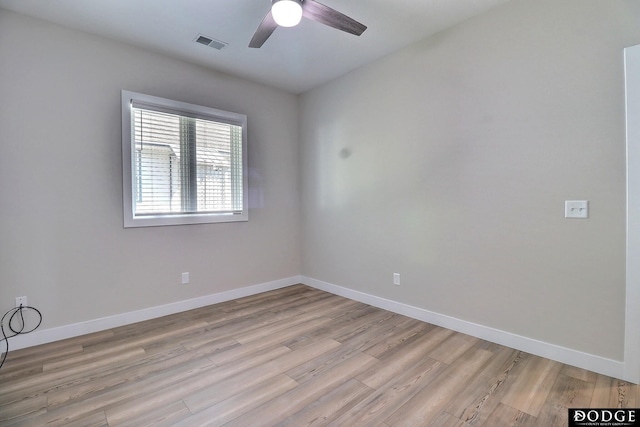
(185, 163)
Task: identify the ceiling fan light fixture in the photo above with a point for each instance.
(286, 13)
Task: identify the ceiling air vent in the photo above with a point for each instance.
(208, 41)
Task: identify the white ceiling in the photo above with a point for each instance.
(294, 59)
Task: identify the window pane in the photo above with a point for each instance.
(187, 163)
(157, 172)
(215, 184)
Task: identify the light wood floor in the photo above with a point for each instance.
(293, 357)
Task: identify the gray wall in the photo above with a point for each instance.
(449, 163)
(62, 238)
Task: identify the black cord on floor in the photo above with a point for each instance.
(16, 314)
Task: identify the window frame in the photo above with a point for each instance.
(155, 103)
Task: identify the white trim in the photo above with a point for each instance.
(69, 331)
(591, 362)
(632, 311)
(612, 368)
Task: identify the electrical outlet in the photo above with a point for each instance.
(21, 301)
(576, 209)
(396, 279)
(185, 278)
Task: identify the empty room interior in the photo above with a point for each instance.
(431, 223)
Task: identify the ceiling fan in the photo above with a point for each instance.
(288, 13)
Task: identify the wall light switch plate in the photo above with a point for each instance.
(396, 279)
(576, 209)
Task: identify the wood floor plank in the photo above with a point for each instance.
(332, 328)
(481, 396)
(448, 420)
(99, 351)
(210, 344)
(18, 364)
(426, 405)
(83, 406)
(170, 385)
(567, 392)
(330, 305)
(399, 337)
(91, 361)
(268, 340)
(287, 404)
(530, 392)
(183, 386)
(245, 380)
(277, 295)
(404, 360)
(505, 415)
(20, 367)
(220, 413)
(452, 348)
(229, 327)
(381, 329)
(244, 337)
(392, 394)
(63, 381)
(613, 393)
(293, 356)
(363, 325)
(96, 419)
(165, 416)
(25, 408)
(95, 383)
(322, 363)
(579, 373)
(330, 406)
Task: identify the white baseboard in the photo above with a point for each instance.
(601, 365)
(69, 331)
(587, 361)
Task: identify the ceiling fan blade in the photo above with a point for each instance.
(264, 31)
(324, 14)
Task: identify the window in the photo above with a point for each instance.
(182, 163)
